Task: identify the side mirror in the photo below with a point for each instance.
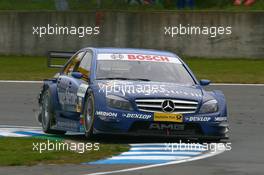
(77, 75)
(204, 82)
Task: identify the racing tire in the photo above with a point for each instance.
(88, 113)
(48, 114)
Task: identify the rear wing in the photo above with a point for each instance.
(55, 55)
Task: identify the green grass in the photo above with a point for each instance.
(25, 68)
(83, 5)
(228, 70)
(27, 5)
(19, 151)
(227, 5)
(218, 70)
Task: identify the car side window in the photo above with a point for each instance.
(85, 64)
(73, 63)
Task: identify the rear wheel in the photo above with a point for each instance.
(47, 114)
(89, 115)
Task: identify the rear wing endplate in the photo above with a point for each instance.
(58, 55)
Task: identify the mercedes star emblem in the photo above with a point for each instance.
(167, 106)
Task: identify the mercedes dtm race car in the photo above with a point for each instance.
(133, 92)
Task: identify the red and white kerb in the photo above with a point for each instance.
(138, 57)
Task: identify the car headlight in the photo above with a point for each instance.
(118, 102)
(209, 107)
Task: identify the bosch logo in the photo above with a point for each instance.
(148, 58)
(117, 56)
(167, 106)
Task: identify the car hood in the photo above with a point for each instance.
(143, 89)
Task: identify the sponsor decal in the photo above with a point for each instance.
(82, 90)
(220, 119)
(117, 56)
(168, 117)
(139, 57)
(106, 114)
(79, 104)
(162, 126)
(67, 125)
(137, 116)
(148, 58)
(198, 119)
(82, 129)
(80, 96)
(67, 98)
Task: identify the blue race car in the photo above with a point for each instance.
(132, 92)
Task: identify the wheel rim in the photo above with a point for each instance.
(88, 116)
(45, 112)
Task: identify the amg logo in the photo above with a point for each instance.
(160, 126)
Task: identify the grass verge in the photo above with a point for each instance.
(84, 5)
(25, 68)
(19, 151)
(228, 70)
(27, 5)
(217, 70)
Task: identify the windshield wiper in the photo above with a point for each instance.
(140, 79)
(123, 78)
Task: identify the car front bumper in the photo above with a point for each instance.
(115, 122)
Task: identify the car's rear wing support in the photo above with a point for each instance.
(58, 55)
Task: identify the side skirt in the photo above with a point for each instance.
(66, 124)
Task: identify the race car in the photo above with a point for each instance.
(133, 92)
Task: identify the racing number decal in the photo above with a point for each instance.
(167, 117)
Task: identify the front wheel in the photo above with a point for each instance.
(47, 114)
(89, 115)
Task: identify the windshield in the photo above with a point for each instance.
(143, 70)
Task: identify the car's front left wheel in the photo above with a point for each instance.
(89, 115)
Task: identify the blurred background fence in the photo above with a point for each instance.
(135, 29)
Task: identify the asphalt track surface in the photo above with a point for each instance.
(246, 118)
